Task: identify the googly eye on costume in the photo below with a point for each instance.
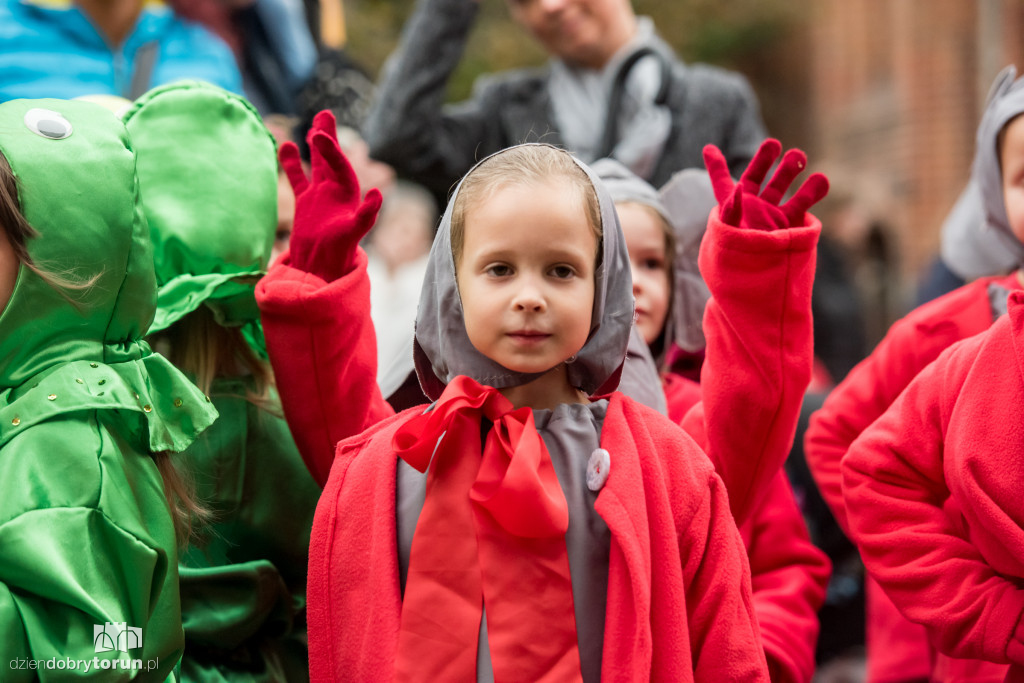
(48, 124)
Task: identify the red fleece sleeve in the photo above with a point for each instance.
(788, 579)
(912, 343)
(908, 528)
(759, 352)
(323, 350)
(724, 638)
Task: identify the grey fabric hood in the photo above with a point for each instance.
(442, 350)
(684, 202)
(1005, 101)
(970, 247)
(688, 198)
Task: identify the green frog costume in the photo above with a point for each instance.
(88, 566)
(208, 169)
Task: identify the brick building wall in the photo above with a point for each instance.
(896, 89)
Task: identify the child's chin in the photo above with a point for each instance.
(533, 368)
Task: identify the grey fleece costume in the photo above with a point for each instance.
(426, 141)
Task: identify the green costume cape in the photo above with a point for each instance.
(87, 545)
(208, 169)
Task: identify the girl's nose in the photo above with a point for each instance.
(637, 286)
(529, 298)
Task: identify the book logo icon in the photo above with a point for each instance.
(116, 637)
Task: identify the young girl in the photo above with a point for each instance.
(598, 541)
(88, 561)
(788, 573)
(208, 170)
(898, 650)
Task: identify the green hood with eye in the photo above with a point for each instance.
(81, 348)
(208, 172)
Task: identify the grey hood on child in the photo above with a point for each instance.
(443, 351)
(1005, 102)
(684, 203)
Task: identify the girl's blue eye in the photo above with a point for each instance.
(48, 124)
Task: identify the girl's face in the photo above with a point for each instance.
(8, 269)
(1011, 158)
(645, 240)
(526, 275)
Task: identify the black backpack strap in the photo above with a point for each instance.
(611, 124)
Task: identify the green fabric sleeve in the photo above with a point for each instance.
(86, 540)
(65, 571)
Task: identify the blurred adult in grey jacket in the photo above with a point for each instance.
(612, 87)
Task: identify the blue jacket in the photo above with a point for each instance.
(51, 49)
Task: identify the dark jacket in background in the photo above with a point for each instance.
(434, 144)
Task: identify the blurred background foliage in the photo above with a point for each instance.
(760, 38)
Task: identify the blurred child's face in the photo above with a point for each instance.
(369, 171)
(403, 234)
(1011, 158)
(285, 217)
(526, 275)
(645, 239)
(8, 269)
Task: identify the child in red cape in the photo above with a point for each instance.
(932, 491)
(594, 531)
(756, 394)
(898, 649)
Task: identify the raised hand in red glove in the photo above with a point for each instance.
(746, 205)
(330, 214)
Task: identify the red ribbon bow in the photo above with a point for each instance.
(491, 532)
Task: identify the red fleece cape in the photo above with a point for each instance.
(898, 649)
(679, 604)
(933, 496)
(788, 574)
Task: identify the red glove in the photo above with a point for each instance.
(745, 205)
(330, 216)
